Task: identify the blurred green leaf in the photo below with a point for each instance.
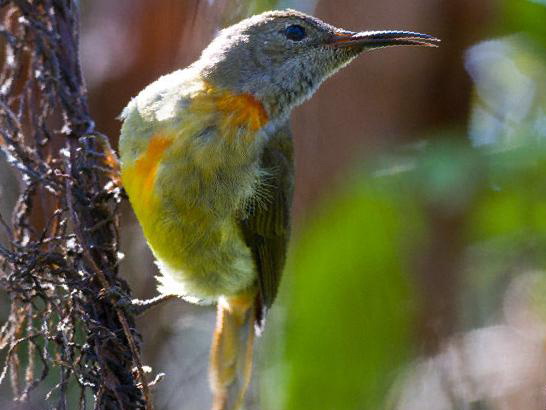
(350, 307)
(513, 200)
(265, 5)
(528, 16)
(350, 311)
(447, 174)
(245, 8)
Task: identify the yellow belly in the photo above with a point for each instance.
(200, 256)
(188, 189)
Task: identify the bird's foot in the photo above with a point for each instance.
(135, 307)
(138, 306)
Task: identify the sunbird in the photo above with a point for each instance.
(207, 163)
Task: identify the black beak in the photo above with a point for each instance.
(378, 39)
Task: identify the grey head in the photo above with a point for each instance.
(282, 57)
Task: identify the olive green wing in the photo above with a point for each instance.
(266, 226)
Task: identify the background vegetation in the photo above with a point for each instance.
(417, 270)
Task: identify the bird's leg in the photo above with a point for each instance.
(139, 306)
(135, 307)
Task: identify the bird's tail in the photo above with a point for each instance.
(231, 352)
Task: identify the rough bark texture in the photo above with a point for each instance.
(68, 342)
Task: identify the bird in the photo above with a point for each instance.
(207, 163)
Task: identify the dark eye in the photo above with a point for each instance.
(295, 32)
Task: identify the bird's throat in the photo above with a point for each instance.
(237, 111)
(241, 110)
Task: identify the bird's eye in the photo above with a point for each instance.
(295, 32)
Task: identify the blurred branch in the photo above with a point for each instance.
(59, 267)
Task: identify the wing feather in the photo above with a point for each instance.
(266, 228)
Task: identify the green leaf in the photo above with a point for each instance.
(350, 307)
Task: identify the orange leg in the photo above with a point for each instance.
(231, 353)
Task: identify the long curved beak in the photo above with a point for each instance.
(377, 39)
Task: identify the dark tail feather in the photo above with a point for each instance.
(231, 353)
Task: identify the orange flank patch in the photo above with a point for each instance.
(242, 110)
(146, 165)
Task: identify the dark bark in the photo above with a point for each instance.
(67, 338)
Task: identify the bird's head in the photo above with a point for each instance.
(281, 57)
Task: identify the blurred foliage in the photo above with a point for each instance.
(350, 301)
(350, 314)
(351, 304)
(240, 9)
(527, 16)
